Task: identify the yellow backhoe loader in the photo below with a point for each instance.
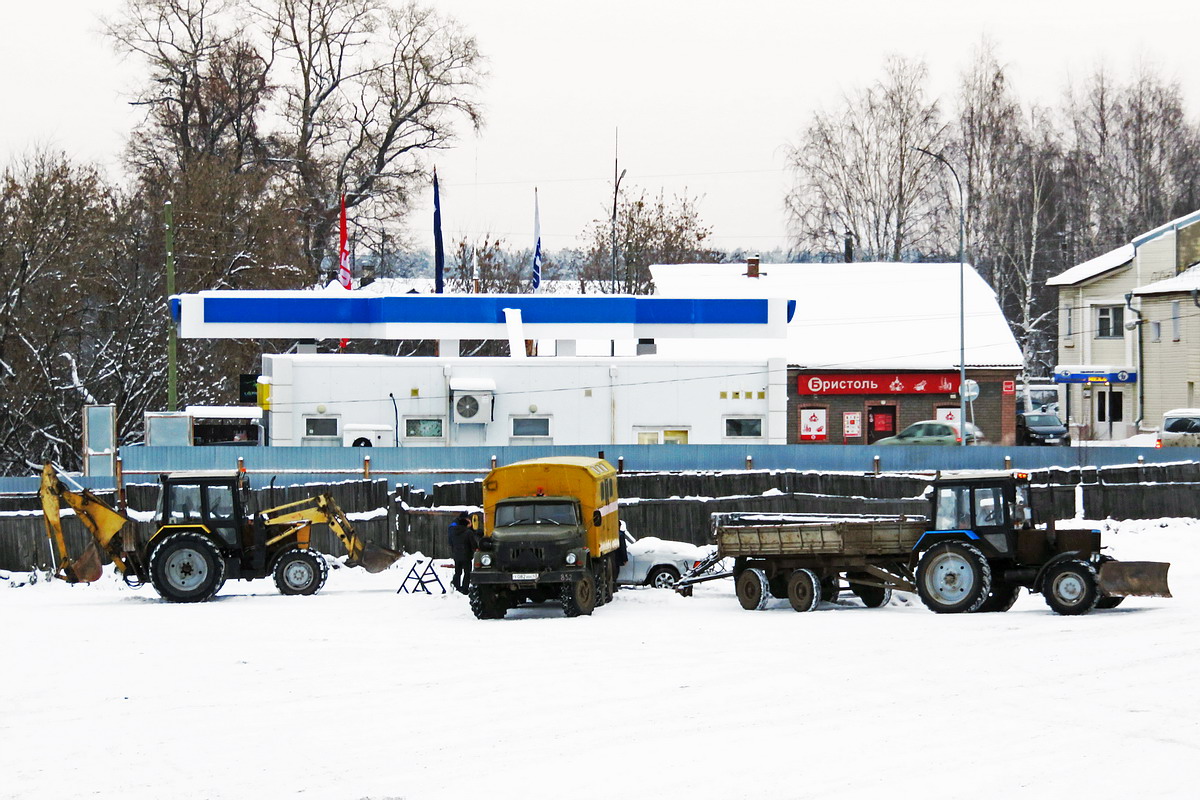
(206, 533)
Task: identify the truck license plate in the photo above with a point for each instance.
(524, 576)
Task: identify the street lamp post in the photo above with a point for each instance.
(962, 321)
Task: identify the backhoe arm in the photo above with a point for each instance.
(295, 517)
(101, 520)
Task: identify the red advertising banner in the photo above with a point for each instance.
(813, 427)
(1010, 387)
(878, 383)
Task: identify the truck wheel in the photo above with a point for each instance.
(486, 602)
(579, 597)
(872, 596)
(803, 590)
(300, 572)
(662, 577)
(1071, 587)
(1001, 598)
(831, 589)
(953, 578)
(186, 568)
(752, 589)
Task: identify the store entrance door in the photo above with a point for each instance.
(881, 423)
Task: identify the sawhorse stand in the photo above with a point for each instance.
(421, 579)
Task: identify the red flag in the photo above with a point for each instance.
(344, 252)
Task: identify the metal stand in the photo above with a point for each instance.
(421, 579)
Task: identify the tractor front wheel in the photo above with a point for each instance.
(300, 572)
(1072, 587)
(186, 567)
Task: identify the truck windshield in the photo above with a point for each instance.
(508, 514)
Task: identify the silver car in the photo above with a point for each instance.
(656, 562)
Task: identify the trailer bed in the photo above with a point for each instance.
(763, 535)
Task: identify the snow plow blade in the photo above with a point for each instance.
(85, 569)
(1134, 579)
(376, 559)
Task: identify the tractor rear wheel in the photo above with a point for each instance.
(953, 578)
(579, 597)
(1071, 587)
(186, 568)
(803, 590)
(752, 589)
(1001, 598)
(300, 572)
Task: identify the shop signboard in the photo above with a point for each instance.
(812, 425)
(878, 383)
(851, 424)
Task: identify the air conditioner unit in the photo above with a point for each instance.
(472, 400)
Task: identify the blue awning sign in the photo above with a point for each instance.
(1081, 374)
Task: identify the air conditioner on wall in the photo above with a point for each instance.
(472, 400)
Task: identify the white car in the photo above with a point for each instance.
(656, 562)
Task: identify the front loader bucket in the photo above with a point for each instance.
(85, 569)
(1134, 578)
(376, 559)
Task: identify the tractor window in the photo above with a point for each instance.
(953, 508)
(184, 504)
(1022, 512)
(989, 506)
(220, 503)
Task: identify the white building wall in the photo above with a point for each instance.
(557, 401)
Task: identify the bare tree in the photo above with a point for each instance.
(857, 174)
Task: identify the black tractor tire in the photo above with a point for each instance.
(1105, 603)
(752, 589)
(300, 572)
(662, 578)
(831, 589)
(803, 590)
(953, 578)
(1000, 598)
(486, 602)
(872, 596)
(186, 567)
(579, 597)
(1071, 587)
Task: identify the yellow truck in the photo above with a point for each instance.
(550, 533)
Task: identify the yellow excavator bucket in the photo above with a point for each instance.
(103, 522)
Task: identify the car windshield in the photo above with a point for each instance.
(1043, 420)
(509, 514)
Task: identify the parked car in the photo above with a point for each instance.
(933, 431)
(656, 562)
(1041, 427)
(1180, 428)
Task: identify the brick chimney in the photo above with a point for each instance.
(752, 266)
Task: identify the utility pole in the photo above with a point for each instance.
(616, 191)
(172, 397)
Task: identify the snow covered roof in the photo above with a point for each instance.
(1175, 224)
(854, 316)
(1186, 281)
(1094, 268)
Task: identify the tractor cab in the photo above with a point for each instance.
(211, 499)
(989, 508)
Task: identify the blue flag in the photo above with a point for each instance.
(537, 244)
(439, 255)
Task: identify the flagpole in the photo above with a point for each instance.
(537, 243)
(439, 254)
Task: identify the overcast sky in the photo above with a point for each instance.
(705, 95)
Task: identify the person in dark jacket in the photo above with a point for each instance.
(462, 548)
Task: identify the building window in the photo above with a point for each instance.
(1109, 322)
(531, 426)
(1155, 331)
(1069, 321)
(743, 426)
(1176, 327)
(662, 436)
(320, 426)
(423, 428)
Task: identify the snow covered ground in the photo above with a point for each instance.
(360, 692)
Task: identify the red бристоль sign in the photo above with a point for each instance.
(878, 383)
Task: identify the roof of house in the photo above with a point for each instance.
(858, 316)
(1186, 281)
(1099, 265)
(1175, 224)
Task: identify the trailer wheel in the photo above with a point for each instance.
(872, 596)
(186, 568)
(300, 572)
(1072, 588)
(831, 589)
(953, 578)
(752, 589)
(579, 597)
(662, 577)
(803, 590)
(486, 602)
(1001, 598)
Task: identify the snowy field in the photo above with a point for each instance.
(360, 692)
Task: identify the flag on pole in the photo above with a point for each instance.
(343, 251)
(537, 243)
(439, 256)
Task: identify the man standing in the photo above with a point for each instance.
(462, 547)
